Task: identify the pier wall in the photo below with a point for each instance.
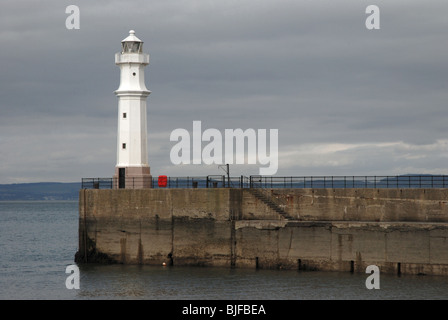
(400, 230)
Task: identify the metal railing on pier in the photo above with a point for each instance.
(402, 181)
(218, 181)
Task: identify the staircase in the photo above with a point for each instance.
(269, 201)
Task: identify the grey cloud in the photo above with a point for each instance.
(307, 68)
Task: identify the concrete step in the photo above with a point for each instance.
(271, 204)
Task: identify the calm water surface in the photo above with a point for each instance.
(38, 240)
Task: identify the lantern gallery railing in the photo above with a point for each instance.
(126, 58)
(212, 181)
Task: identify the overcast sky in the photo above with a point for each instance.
(345, 100)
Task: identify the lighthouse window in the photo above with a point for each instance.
(134, 74)
(124, 115)
(124, 145)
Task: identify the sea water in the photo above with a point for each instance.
(38, 240)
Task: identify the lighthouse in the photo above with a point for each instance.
(132, 168)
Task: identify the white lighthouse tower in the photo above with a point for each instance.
(132, 169)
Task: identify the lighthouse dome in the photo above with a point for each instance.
(131, 44)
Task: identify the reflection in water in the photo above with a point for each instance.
(198, 283)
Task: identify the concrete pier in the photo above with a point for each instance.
(399, 230)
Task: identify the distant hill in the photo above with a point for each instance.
(40, 191)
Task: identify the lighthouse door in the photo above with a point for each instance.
(121, 178)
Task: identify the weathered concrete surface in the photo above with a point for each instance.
(344, 246)
(425, 205)
(401, 231)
